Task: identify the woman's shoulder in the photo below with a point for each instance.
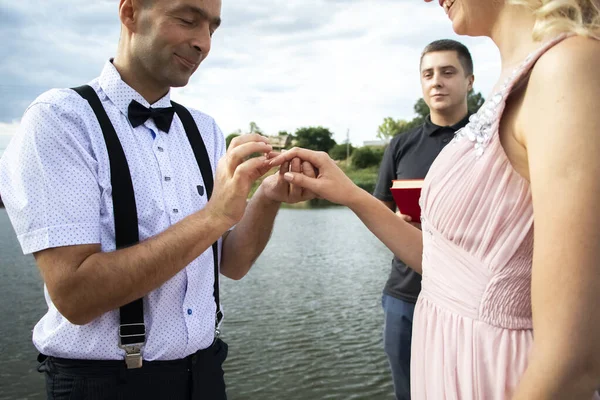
(569, 68)
(562, 90)
(573, 55)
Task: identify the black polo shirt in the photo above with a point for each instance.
(409, 156)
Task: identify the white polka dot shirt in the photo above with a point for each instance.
(55, 183)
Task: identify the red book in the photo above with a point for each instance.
(406, 194)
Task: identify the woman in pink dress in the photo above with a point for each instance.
(531, 155)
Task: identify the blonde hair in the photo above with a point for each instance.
(580, 17)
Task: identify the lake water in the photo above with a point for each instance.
(305, 324)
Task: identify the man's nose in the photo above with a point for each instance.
(201, 43)
(436, 81)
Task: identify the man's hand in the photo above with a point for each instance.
(276, 188)
(235, 175)
(407, 218)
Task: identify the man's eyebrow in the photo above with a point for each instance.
(448, 66)
(201, 12)
(442, 67)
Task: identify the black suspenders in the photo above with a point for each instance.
(195, 139)
(132, 330)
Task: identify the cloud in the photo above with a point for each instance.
(343, 64)
(8, 129)
(51, 44)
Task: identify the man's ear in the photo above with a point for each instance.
(128, 13)
(471, 80)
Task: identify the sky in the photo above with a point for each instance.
(284, 64)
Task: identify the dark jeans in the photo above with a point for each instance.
(196, 377)
(397, 335)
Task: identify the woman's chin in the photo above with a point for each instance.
(461, 29)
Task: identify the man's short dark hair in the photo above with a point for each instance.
(464, 56)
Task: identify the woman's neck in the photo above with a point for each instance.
(512, 34)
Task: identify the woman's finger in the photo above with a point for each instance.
(316, 158)
(309, 171)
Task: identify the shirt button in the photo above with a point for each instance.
(161, 149)
(167, 178)
(175, 211)
(446, 140)
(189, 311)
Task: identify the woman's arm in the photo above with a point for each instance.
(561, 131)
(403, 239)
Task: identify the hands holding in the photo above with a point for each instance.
(303, 175)
(236, 173)
(326, 180)
(278, 189)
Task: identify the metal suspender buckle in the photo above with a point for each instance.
(132, 338)
(133, 358)
(218, 319)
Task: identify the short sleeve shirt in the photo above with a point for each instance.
(55, 183)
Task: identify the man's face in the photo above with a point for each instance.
(172, 38)
(444, 82)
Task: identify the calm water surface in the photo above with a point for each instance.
(304, 324)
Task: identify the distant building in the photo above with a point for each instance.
(280, 142)
(376, 143)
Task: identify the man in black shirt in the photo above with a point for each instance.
(446, 79)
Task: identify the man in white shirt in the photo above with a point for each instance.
(71, 197)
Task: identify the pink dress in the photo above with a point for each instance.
(472, 329)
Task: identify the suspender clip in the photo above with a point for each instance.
(133, 358)
(135, 337)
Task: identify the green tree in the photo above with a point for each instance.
(378, 153)
(255, 129)
(315, 138)
(421, 109)
(474, 101)
(340, 151)
(229, 138)
(391, 127)
(365, 157)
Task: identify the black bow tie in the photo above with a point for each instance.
(138, 114)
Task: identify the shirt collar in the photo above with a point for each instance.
(121, 93)
(429, 128)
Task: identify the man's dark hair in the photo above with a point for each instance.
(464, 56)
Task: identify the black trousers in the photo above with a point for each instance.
(197, 377)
